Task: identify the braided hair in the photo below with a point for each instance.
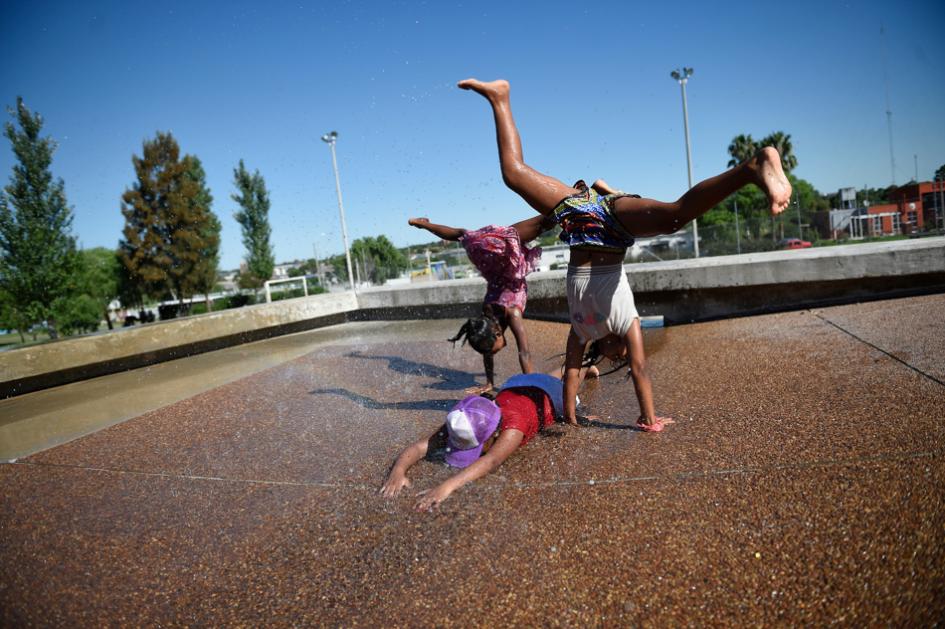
(479, 332)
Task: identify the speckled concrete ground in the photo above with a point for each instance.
(802, 485)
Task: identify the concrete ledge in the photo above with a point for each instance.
(69, 360)
(681, 291)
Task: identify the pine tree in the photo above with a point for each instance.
(37, 249)
(168, 222)
(254, 219)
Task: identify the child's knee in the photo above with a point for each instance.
(514, 174)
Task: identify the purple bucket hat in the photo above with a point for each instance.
(469, 424)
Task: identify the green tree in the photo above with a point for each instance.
(206, 268)
(129, 291)
(940, 173)
(339, 266)
(253, 217)
(742, 148)
(97, 278)
(78, 314)
(379, 259)
(167, 221)
(12, 317)
(37, 249)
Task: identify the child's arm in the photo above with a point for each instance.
(443, 231)
(397, 479)
(503, 447)
(530, 229)
(517, 325)
(574, 354)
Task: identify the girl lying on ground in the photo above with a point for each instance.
(503, 260)
(600, 224)
(479, 434)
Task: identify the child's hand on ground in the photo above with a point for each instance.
(418, 222)
(431, 498)
(478, 390)
(585, 420)
(393, 485)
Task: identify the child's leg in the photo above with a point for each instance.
(641, 379)
(443, 231)
(573, 356)
(540, 191)
(646, 217)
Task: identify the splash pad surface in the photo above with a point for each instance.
(801, 485)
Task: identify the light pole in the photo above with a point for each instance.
(682, 76)
(797, 204)
(330, 139)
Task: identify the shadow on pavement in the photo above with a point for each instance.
(450, 379)
(367, 402)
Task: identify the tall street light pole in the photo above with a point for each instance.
(682, 76)
(330, 139)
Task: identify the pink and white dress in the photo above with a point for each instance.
(504, 261)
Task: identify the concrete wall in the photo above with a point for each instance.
(681, 291)
(79, 358)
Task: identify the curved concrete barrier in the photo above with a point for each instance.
(681, 291)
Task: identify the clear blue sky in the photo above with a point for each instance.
(590, 86)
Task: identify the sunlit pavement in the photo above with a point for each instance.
(802, 484)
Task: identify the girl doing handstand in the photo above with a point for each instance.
(600, 224)
(504, 260)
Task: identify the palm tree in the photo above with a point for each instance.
(782, 142)
(742, 148)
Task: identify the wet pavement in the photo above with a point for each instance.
(802, 485)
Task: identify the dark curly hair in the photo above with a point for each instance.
(479, 332)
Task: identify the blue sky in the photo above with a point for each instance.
(591, 93)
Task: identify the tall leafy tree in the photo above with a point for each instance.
(379, 259)
(253, 217)
(168, 221)
(37, 249)
(12, 317)
(98, 280)
(207, 265)
(742, 148)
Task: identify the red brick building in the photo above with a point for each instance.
(915, 207)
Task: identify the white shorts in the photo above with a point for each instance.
(600, 301)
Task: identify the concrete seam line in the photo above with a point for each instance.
(517, 485)
(879, 349)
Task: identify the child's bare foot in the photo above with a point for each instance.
(493, 90)
(770, 177)
(419, 222)
(604, 188)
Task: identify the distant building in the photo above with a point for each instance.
(554, 257)
(914, 207)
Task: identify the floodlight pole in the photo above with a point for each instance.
(330, 139)
(682, 77)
